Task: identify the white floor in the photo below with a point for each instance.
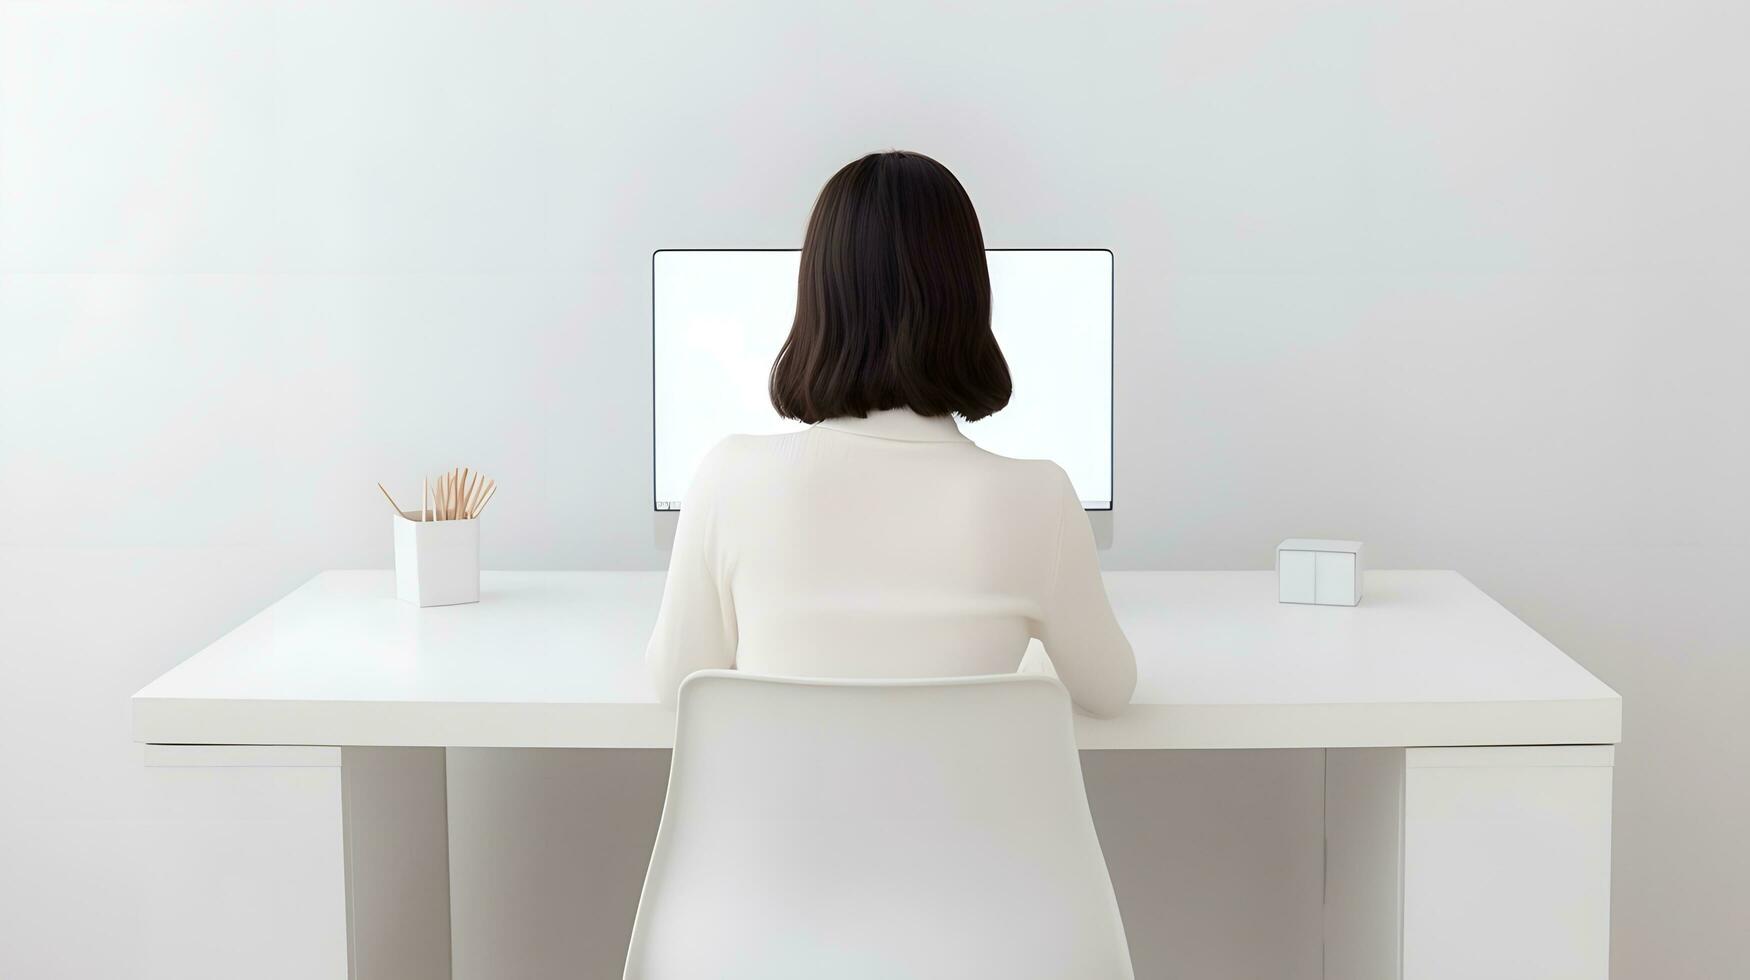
(1205, 894)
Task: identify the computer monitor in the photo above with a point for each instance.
(720, 315)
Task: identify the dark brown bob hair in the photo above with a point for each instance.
(893, 300)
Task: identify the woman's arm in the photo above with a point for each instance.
(695, 628)
(1088, 649)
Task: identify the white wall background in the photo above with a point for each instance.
(1466, 280)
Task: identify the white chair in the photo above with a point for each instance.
(876, 829)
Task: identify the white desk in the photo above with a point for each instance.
(556, 659)
(1469, 804)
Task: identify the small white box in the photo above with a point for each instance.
(1318, 572)
(437, 563)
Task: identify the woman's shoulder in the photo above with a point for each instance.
(1044, 474)
(735, 459)
(740, 450)
(1030, 489)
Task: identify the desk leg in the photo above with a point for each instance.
(242, 865)
(301, 862)
(1458, 863)
(397, 863)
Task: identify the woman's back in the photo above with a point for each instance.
(886, 546)
(881, 542)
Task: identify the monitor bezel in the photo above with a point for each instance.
(1111, 363)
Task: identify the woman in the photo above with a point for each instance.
(880, 542)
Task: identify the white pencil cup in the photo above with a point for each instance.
(437, 563)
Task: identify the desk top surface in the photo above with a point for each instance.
(556, 659)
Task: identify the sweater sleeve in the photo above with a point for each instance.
(1087, 647)
(695, 626)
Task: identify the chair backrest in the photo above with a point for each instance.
(876, 829)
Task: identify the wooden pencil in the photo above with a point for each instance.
(474, 498)
(390, 499)
(488, 499)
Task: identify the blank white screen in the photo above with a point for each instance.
(720, 317)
